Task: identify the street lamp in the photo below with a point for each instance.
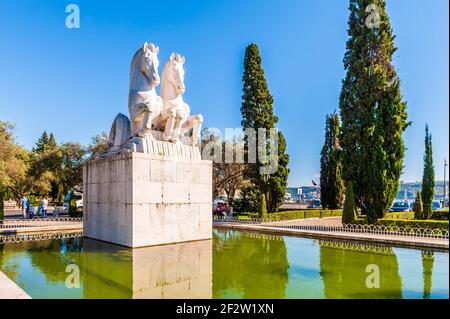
(445, 170)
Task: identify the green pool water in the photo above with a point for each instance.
(232, 265)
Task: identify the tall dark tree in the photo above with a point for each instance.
(41, 143)
(257, 112)
(278, 180)
(331, 183)
(372, 110)
(428, 175)
(350, 212)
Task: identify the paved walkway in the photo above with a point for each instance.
(9, 289)
(416, 242)
(17, 213)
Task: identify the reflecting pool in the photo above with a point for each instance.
(233, 265)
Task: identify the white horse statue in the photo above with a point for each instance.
(144, 104)
(175, 118)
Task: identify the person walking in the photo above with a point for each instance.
(24, 206)
(44, 204)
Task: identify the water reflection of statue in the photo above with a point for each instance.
(343, 268)
(246, 267)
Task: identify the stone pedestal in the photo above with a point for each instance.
(137, 199)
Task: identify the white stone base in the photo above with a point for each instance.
(178, 271)
(138, 200)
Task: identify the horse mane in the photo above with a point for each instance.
(134, 60)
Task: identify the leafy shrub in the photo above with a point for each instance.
(429, 224)
(439, 215)
(249, 201)
(302, 214)
(400, 215)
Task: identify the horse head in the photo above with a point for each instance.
(173, 74)
(146, 62)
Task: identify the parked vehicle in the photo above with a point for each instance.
(400, 207)
(436, 205)
(314, 204)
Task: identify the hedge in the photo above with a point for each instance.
(439, 215)
(429, 224)
(298, 214)
(400, 215)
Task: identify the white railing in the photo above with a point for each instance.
(38, 236)
(346, 228)
(23, 223)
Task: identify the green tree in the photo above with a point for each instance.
(41, 143)
(99, 142)
(428, 175)
(13, 164)
(45, 166)
(73, 156)
(350, 211)
(278, 180)
(372, 110)
(228, 177)
(418, 207)
(257, 113)
(331, 183)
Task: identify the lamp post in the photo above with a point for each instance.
(445, 171)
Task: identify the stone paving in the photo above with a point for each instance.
(9, 289)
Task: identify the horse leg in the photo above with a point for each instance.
(147, 124)
(168, 131)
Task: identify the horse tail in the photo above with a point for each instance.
(120, 131)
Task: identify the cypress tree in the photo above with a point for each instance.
(41, 143)
(331, 184)
(257, 112)
(418, 207)
(52, 142)
(278, 181)
(428, 175)
(350, 212)
(372, 110)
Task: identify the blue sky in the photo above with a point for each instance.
(74, 82)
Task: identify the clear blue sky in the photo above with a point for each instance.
(74, 82)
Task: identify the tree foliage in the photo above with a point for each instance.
(418, 206)
(257, 112)
(428, 175)
(349, 213)
(49, 169)
(13, 164)
(372, 111)
(331, 183)
(228, 177)
(99, 142)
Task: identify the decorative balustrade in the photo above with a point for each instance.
(24, 223)
(316, 225)
(38, 236)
